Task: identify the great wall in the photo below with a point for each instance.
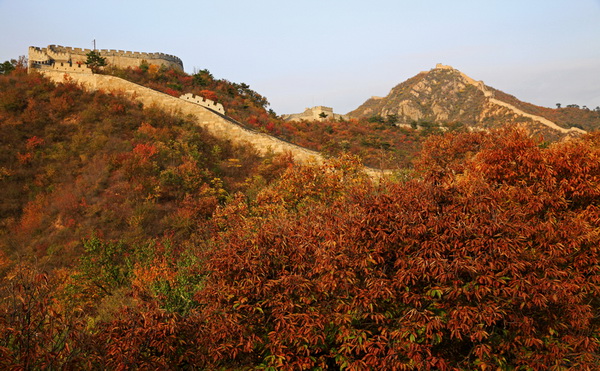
(63, 55)
(216, 124)
(208, 114)
(318, 113)
(59, 63)
(203, 102)
(490, 95)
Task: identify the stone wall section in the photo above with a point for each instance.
(541, 120)
(314, 114)
(69, 68)
(489, 94)
(118, 58)
(214, 123)
(203, 102)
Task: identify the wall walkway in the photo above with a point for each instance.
(539, 119)
(542, 120)
(216, 124)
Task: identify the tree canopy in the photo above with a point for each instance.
(95, 60)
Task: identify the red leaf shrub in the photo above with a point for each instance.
(488, 261)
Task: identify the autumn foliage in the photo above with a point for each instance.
(155, 246)
(488, 260)
(377, 141)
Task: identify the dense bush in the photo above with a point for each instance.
(488, 260)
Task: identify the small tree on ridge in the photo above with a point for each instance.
(95, 60)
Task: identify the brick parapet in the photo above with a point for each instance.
(119, 58)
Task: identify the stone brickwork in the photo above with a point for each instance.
(318, 113)
(54, 54)
(203, 102)
(206, 113)
(440, 66)
(68, 67)
(215, 124)
(489, 94)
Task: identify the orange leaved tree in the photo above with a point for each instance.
(487, 259)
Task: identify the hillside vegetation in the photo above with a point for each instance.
(75, 163)
(567, 116)
(133, 239)
(377, 141)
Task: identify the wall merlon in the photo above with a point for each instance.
(203, 102)
(443, 67)
(63, 67)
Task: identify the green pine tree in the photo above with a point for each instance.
(95, 60)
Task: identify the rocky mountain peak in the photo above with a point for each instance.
(445, 95)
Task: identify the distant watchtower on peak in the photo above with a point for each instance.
(440, 66)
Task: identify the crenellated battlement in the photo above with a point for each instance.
(119, 58)
(440, 66)
(63, 67)
(66, 50)
(318, 113)
(203, 102)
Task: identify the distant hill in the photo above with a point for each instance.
(445, 95)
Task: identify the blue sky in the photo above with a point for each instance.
(337, 52)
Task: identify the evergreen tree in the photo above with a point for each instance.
(95, 60)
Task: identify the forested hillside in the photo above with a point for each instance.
(130, 238)
(75, 163)
(377, 141)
